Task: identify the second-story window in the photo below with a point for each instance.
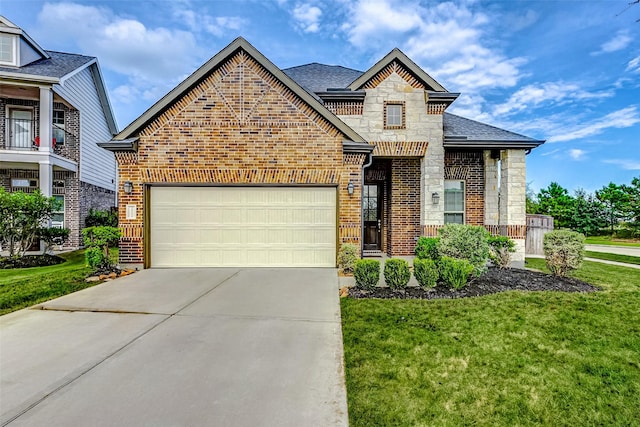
(394, 115)
(58, 126)
(8, 49)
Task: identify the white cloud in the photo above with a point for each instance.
(197, 21)
(577, 154)
(618, 42)
(307, 17)
(548, 153)
(625, 164)
(556, 93)
(450, 40)
(634, 65)
(622, 118)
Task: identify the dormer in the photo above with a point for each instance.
(17, 49)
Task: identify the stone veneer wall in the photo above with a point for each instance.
(404, 222)
(513, 210)
(468, 166)
(239, 125)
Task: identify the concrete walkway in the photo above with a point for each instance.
(603, 261)
(214, 347)
(619, 250)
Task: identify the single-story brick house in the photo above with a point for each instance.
(245, 164)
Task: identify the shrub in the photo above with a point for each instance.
(97, 240)
(347, 257)
(367, 273)
(500, 250)
(396, 273)
(563, 251)
(427, 248)
(98, 218)
(455, 272)
(426, 272)
(22, 215)
(53, 236)
(466, 242)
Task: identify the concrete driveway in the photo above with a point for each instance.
(179, 347)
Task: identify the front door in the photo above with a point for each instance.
(371, 211)
(20, 129)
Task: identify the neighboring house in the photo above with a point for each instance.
(244, 164)
(54, 109)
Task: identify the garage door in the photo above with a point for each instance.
(243, 226)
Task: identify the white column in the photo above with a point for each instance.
(46, 178)
(46, 118)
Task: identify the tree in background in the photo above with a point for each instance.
(589, 216)
(557, 202)
(615, 199)
(633, 191)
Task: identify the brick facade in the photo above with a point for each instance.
(468, 166)
(238, 125)
(404, 221)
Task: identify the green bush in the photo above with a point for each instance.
(367, 273)
(466, 242)
(500, 250)
(426, 272)
(53, 236)
(347, 257)
(563, 251)
(396, 273)
(97, 240)
(455, 272)
(427, 248)
(98, 218)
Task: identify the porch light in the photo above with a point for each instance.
(350, 188)
(435, 197)
(128, 187)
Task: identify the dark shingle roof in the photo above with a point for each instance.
(460, 130)
(59, 65)
(319, 77)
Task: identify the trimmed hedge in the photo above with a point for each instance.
(427, 248)
(455, 272)
(426, 272)
(367, 273)
(396, 273)
(563, 251)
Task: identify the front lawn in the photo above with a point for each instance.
(608, 240)
(629, 259)
(23, 287)
(514, 358)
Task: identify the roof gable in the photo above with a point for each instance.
(219, 60)
(396, 61)
(7, 26)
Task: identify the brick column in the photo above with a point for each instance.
(513, 183)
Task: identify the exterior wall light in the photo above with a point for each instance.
(435, 197)
(127, 187)
(350, 188)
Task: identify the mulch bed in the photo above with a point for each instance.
(491, 282)
(30, 261)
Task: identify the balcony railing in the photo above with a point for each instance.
(19, 134)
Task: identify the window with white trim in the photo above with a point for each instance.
(453, 202)
(58, 126)
(57, 219)
(8, 43)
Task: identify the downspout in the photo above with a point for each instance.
(364, 166)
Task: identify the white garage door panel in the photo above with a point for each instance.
(246, 226)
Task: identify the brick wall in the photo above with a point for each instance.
(238, 125)
(404, 221)
(468, 166)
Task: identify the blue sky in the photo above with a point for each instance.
(564, 71)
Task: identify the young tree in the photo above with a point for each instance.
(532, 202)
(22, 216)
(556, 201)
(616, 203)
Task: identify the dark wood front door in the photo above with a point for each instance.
(371, 212)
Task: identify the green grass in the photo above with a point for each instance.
(613, 257)
(516, 358)
(23, 287)
(608, 240)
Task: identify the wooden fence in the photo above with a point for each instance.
(537, 227)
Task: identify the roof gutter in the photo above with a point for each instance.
(463, 142)
(28, 77)
(123, 145)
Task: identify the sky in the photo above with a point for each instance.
(564, 71)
